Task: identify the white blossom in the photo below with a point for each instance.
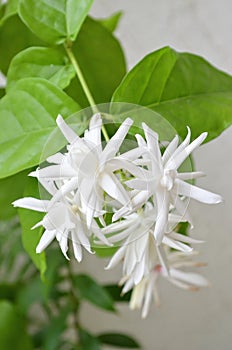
(165, 184)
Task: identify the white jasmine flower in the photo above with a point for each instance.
(146, 291)
(139, 249)
(63, 221)
(89, 168)
(166, 184)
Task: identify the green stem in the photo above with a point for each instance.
(81, 77)
(84, 85)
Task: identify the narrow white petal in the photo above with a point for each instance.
(45, 240)
(63, 242)
(77, 250)
(184, 238)
(68, 133)
(117, 257)
(112, 147)
(162, 215)
(66, 188)
(176, 245)
(56, 158)
(163, 259)
(148, 297)
(170, 149)
(191, 176)
(94, 132)
(112, 186)
(177, 160)
(32, 203)
(197, 193)
(192, 278)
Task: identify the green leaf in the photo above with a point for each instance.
(54, 21)
(28, 219)
(88, 341)
(27, 118)
(11, 188)
(101, 60)
(183, 88)
(111, 23)
(54, 331)
(48, 63)
(14, 31)
(90, 290)
(10, 9)
(12, 329)
(119, 340)
(116, 293)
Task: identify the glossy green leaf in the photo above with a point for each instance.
(11, 188)
(119, 340)
(54, 21)
(183, 88)
(10, 9)
(41, 62)
(90, 290)
(12, 329)
(14, 31)
(88, 341)
(111, 23)
(27, 117)
(101, 60)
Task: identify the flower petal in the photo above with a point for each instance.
(45, 240)
(32, 203)
(68, 133)
(197, 193)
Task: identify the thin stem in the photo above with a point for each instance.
(84, 85)
(81, 77)
(105, 134)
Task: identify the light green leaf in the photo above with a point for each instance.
(10, 9)
(14, 31)
(48, 63)
(54, 21)
(27, 118)
(11, 188)
(119, 340)
(183, 88)
(28, 218)
(111, 22)
(101, 60)
(12, 329)
(90, 290)
(88, 341)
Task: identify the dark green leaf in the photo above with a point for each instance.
(54, 21)
(101, 61)
(54, 331)
(119, 340)
(111, 22)
(12, 329)
(11, 188)
(14, 31)
(183, 88)
(116, 293)
(27, 117)
(8, 291)
(28, 219)
(93, 292)
(88, 341)
(41, 62)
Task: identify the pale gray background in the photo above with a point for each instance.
(193, 321)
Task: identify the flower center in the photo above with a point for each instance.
(168, 178)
